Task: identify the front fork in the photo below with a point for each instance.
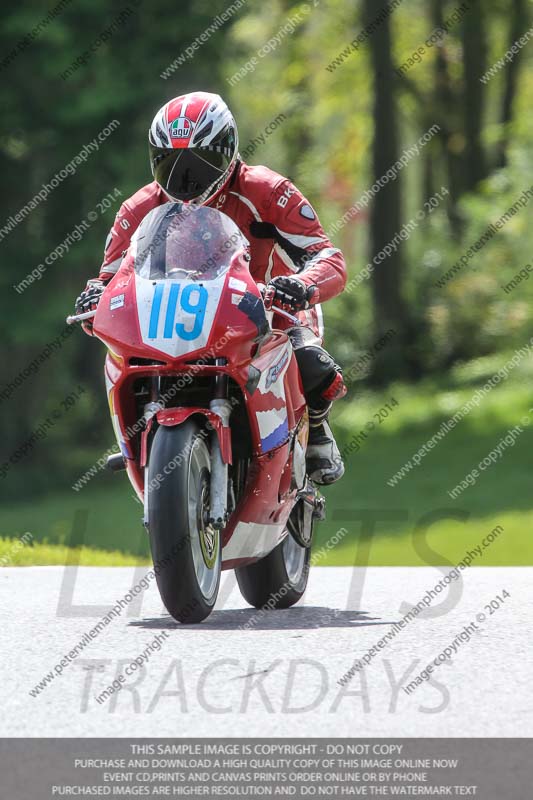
(221, 406)
(150, 410)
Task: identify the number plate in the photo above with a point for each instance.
(176, 317)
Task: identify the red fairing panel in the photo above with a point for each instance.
(277, 401)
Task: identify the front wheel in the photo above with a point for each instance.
(279, 579)
(185, 548)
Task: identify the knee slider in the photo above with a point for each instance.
(336, 389)
(317, 368)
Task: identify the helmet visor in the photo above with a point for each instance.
(187, 173)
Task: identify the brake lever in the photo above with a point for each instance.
(269, 295)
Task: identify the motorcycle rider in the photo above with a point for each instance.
(194, 156)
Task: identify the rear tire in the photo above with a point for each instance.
(185, 549)
(279, 579)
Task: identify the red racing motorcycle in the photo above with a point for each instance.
(207, 406)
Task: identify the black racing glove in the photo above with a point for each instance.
(90, 297)
(292, 294)
(88, 301)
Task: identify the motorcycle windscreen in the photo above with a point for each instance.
(181, 255)
(177, 240)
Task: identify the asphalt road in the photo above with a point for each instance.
(277, 676)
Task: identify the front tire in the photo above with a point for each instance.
(279, 579)
(185, 548)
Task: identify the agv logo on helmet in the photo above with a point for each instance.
(181, 128)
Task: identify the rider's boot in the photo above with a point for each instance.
(324, 462)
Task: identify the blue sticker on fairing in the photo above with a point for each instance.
(126, 452)
(277, 437)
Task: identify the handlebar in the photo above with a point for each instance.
(73, 318)
(267, 293)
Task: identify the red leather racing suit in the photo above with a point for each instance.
(283, 230)
(285, 238)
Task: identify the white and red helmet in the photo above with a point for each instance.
(193, 146)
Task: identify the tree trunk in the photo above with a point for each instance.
(518, 26)
(446, 103)
(475, 65)
(390, 310)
